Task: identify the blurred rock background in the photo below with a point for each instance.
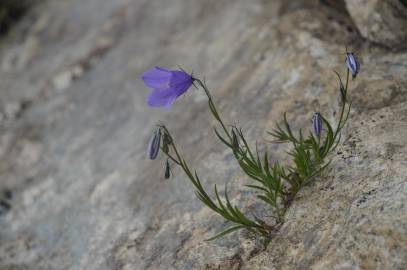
(76, 189)
(11, 11)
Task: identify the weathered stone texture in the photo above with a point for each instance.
(74, 128)
(381, 21)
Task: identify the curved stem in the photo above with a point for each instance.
(213, 107)
(339, 127)
(172, 158)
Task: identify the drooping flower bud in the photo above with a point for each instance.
(353, 64)
(166, 143)
(317, 123)
(167, 172)
(235, 141)
(154, 145)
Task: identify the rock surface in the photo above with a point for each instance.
(381, 21)
(76, 188)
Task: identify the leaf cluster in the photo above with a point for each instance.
(223, 208)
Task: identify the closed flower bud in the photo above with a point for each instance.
(154, 145)
(317, 123)
(235, 141)
(353, 64)
(166, 143)
(167, 172)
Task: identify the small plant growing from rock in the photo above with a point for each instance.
(275, 184)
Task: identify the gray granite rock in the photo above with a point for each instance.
(381, 21)
(81, 192)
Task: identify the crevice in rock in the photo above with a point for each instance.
(403, 2)
(233, 263)
(11, 11)
(336, 4)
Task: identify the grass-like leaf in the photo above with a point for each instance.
(225, 232)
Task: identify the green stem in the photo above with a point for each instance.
(172, 158)
(213, 107)
(339, 127)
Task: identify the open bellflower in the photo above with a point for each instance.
(154, 145)
(353, 64)
(317, 123)
(166, 85)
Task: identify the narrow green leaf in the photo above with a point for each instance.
(223, 139)
(257, 187)
(225, 232)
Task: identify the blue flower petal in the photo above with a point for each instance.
(180, 82)
(166, 85)
(317, 123)
(161, 98)
(353, 64)
(157, 78)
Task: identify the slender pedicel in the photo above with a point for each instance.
(341, 88)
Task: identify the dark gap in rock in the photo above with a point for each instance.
(4, 207)
(8, 194)
(11, 11)
(403, 2)
(336, 4)
(291, 6)
(335, 24)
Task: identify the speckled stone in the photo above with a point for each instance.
(83, 195)
(381, 21)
